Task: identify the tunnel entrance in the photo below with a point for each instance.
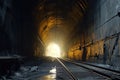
(53, 50)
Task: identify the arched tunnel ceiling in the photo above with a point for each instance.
(59, 20)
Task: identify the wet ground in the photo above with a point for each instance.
(46, 70)
(52, 70)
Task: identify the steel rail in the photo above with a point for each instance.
(113, 77)
(97, 66)
(70, 73)
(101, 67)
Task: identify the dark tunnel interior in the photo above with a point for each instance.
(27, 27)
(86, 30)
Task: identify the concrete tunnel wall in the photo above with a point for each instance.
(97, 34)
(17, 31)
(6, 26)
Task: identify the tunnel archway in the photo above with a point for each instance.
(60, 21)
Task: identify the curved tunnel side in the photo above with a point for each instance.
(77, 25)
(58, 23)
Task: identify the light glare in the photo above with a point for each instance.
(53, 50)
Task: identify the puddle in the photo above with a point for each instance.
(50, 76)
(53, 70)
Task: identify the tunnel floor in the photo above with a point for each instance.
(41, 70)
(50, 69)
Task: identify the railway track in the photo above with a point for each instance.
(68, 70)
(48, 70)
(105, 72)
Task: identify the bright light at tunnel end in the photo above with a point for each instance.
(53, 50)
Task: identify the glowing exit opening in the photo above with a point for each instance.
(53, 50)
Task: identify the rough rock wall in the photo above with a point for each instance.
(106, 31)
(101, 34)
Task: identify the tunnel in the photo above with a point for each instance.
(81, 30)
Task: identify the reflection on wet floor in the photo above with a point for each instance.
(53, 70)
(48, 77)
(51, 76)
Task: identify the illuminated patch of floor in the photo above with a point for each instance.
(51, 76)
(48, 77)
